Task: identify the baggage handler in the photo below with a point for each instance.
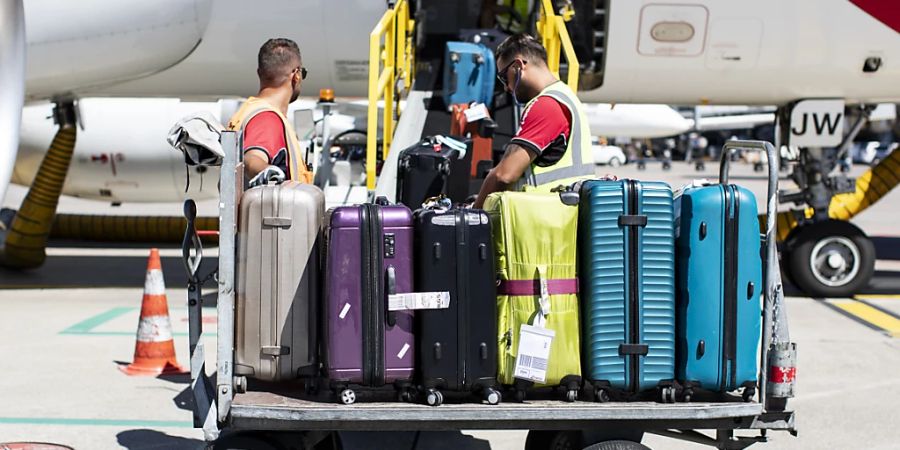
(553, 144)
(269, 139)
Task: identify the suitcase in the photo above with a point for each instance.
(482, 134)
(469, 73)
(458, 345)
(719, 272)
(627, 271)
(430, 168)
(534, 245)
(276, 313)
(369, 257)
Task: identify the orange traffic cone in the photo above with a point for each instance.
(154, 351)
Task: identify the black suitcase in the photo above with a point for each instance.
(458, 345)
(429, 169)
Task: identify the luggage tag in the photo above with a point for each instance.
(418, 300)
(476, 112)
(535, 341)
(460, 147)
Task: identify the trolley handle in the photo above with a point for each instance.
(191, 242)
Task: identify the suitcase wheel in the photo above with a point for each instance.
(688, 393)
(434, 397)
(667, 394)
(571, 395)
(347, 397)
(405, 395)
(492, 396)
(601, 395)
(520, 395)
(748, 394)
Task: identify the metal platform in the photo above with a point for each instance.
(272, 411)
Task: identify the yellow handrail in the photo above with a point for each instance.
(388, 63)
(555, 37)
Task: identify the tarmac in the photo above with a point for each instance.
(66, 327)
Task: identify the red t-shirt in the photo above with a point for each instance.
(265, 131)
(545, 129)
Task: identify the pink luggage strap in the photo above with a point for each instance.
(533, 287)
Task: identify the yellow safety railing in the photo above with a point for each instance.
(555, 37)
(390, 60)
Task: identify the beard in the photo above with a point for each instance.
(296, 94)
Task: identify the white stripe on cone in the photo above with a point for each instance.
(154, 284)
(154, 329)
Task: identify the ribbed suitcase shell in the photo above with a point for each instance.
(276, 315)
(604, 265)
(458, 345)
(350, 281)
(531, 230)
(470, 78)
(702, 281)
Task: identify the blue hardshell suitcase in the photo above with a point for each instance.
(469, 73)
(718, 273)
(627, 272)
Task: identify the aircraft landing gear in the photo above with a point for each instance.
(832, 258)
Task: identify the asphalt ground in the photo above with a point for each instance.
(67, 327)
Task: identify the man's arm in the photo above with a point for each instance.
(255, 161)
(506, 174)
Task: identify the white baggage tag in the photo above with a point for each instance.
(533, 354)
(477, 112)
(418, 300)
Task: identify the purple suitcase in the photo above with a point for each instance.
(369, 257)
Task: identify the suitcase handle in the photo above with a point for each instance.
(391, 316)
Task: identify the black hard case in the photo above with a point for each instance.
(429, 169)
(458, 345)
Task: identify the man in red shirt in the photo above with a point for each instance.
(269, 139)
(553, 135)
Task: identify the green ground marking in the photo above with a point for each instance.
(86, 327)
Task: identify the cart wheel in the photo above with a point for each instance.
(571, 395)
(600, 395)
(757, 167)
(641, 165)
(699, 167)
(347, 397)
(520, 395)
(748, 394)
(492, 396)
(667, 166)
(688, 393)
(434, 397)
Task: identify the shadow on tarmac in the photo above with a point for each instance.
(887, 247)
(144, 439)
(100, 271)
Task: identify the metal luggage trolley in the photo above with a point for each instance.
(226, 407)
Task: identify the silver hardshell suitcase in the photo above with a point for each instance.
(279, 235)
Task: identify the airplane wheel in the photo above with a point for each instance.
(832, 258)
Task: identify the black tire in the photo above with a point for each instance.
(834, 236)
(246, 441)
(617, 445)
(553, 440)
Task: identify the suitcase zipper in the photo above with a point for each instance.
(373, 340)
(634, 332)
(462, 292)
(730, 295)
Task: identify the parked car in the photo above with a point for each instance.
(610, 155)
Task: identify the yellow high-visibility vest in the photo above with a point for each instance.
(256, 105)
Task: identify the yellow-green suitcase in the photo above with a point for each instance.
(535, 244)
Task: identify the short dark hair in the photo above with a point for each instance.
(522, 45)
(276, 59)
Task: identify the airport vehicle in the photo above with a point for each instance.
(610, 155)
(232, 408)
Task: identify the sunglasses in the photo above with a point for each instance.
(502, 74)
(303, 72)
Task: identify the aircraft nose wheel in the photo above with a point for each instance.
(830, 259)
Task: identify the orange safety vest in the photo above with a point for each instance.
(255, 105)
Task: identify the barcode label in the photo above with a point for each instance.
(533, 356)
